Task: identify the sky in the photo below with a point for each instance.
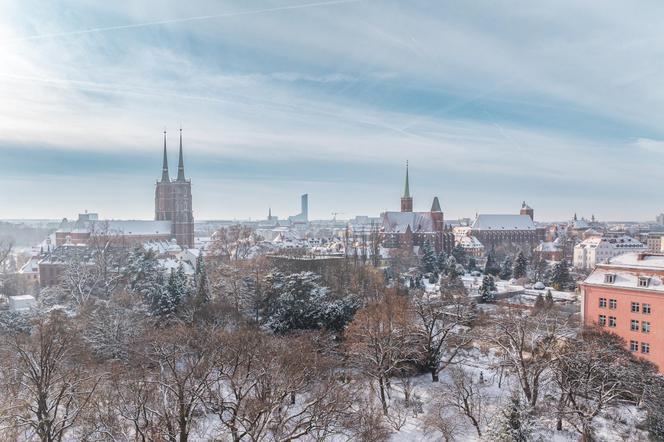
(560, 104)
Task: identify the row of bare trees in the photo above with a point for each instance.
(240, 384)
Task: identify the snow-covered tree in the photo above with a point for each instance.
(299, 302)
(491, 267)
(560, 279)
(513, 423)
(506, 269)
(488, 289)
(441, 261)
(459, 254)
(429, 260)
(142, 272)
(202, 295)
(520, 266)
(436, 323)
(548, 299)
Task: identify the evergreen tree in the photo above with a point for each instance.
(491, 267)
(451, 267)
(299, 302)
(177, 290)
(142, 272)
(539, 304)
(560, 278)
(548, 299)
(162, 303)
(506, 269)
(513, 424)
(201, 281)
(429, 263)
(487, 289)
(520, 266)
(472, 264)
(459, 254)
(441, 262)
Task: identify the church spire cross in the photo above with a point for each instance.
(164, 170)
(181, 161)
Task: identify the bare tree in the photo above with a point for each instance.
(184, 362)
(380, 341)
(53, 384)
(273, 388)
(440, 322)
(595, 372)
(464, 394)
(528, 345)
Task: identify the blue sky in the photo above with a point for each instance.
(559, 104)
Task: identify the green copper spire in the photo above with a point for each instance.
(164, 170)
(406, 192)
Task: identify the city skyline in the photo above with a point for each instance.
(486, 117)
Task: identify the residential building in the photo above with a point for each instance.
(596, 250)
(626, 296)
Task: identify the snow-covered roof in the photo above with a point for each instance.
(620, 242)
(638, 260)
(139, 227)
(398, 222)
(470, 242)
(503, 222)
(548, 247)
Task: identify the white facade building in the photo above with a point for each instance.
(596, 250)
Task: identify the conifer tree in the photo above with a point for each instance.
(487, 289)
(560, 278)
(506, 269)
(429, 262)
(459, 254)
(201, 281)
(548, 299)
(512, 424)
(491, 267)
(520, 266)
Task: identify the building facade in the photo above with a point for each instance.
(508, 231)
(626, 296)
(596, 250)
(411, 229)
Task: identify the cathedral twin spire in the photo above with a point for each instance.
(165, 178)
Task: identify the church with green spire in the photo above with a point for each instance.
(415, 228)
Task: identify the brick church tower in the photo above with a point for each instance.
(172, 201)
(406, 199)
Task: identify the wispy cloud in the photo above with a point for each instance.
(479, 96)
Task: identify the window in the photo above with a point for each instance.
(645, 327)
(645, 348)
(609, 278)
(635, 325)
(644, 281)
(602, 302)
(633, 345)
(613, 304)
(612, 321)
(602, 320)
(646, 309)
(635, 307)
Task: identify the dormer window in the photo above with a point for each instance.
(609, 278)
(644, 281)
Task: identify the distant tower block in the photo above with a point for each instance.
(303, 216)
(527, 210)
(406, 199)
